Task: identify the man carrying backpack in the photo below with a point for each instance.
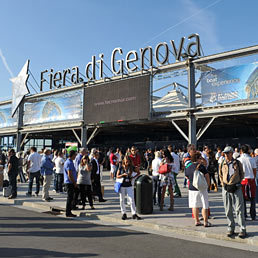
(231, 174)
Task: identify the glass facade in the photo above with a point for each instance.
(38, 143)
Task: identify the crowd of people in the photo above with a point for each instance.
(80, 175)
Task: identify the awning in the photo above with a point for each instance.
(173, 100)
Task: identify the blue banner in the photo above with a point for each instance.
(6, 119)
(230, 84)
(58, 107)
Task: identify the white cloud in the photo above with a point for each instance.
(205, 25)
(5, 63)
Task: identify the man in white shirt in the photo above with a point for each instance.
(155, 177)
(33, 170)
(248, 183)
(176, 169)
(218, 154)
(118, 154)
(59, 164)
(236, 154)
(256, 161)
(205, 155)
(219, 157)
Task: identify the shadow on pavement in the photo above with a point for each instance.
(31, 252)
(49, 226)
(76, 233)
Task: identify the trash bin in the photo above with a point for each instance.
(143, 195)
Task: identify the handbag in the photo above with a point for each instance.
(118, 184)
(165, 168)
(199, 181)
(230, 188)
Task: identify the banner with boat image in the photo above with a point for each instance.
(6, 119)
(57, 107)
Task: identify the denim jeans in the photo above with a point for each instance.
(70, 198)
(31, 178)
(13, 183)
(97, 188)
(59, 182)
(252, 208)
(85, 191)
(149, 162)
(156, 188)
(115, 172)
(176, 188)
(55, 181)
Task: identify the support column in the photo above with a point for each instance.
(191, 103)
(192, 129)
(84, 136)
(19, 126)
(84, 127)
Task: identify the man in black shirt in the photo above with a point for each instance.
(13, 164)
(95, 176)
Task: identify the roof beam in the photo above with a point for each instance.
(77, 137)
(180, 130)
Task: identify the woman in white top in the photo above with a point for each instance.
(54, 170)
(125, 171)
(59, 170)
(167, 180)
(156, 177)
(84, 181)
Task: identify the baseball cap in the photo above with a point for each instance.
(228, 149)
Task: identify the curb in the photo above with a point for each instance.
(5, 200)
(178, 230)
(142, 224)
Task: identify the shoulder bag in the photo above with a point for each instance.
(165, 168)
(199, 180)
(118, 184)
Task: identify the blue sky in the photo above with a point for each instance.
(60, 34)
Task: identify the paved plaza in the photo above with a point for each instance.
(179, 221)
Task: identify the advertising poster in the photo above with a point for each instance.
(122, 100)
(59, 107)
(6, 119)
(230, 84)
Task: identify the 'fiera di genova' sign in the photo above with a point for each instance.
(119, 64)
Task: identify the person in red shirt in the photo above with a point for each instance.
(136, 160)
(113, 164)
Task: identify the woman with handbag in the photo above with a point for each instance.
(84, 181)
(167, 179)
(125, 171)
(198, 198)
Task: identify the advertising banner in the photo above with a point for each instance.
(230, 84)
(122, 100)
(58, 107)
(6, 119)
